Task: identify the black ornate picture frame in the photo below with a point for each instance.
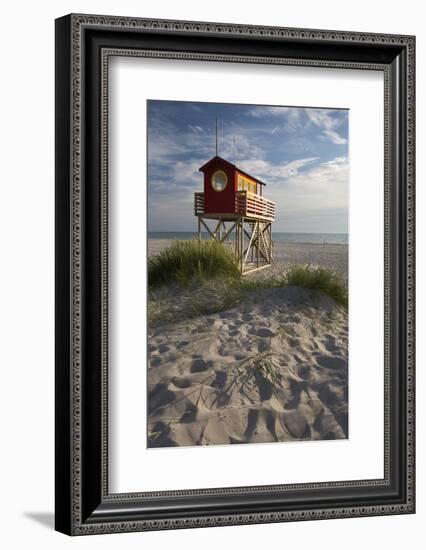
(84, 43)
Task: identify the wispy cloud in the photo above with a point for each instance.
(262, 111)
(275, 172)
(293, 120)
(327, 123)
(197, 129)
(334, 137)
(300, 153)
(310, 199)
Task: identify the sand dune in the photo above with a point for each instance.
(274, 368)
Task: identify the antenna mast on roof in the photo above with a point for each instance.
(216, 136)
(233, 144)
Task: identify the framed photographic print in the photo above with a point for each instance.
(234, 274)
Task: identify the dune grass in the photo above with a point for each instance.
(185, 261)
(205, 279)
(310, 277)
(318, 278)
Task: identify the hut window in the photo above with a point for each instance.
(219, 180)
(245, 184)
(242, 184)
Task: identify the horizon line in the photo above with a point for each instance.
(298, 232)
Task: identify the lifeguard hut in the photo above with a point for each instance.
(242, 216)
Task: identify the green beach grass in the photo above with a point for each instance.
(185, 261)
(318, 278)
(310, 277)
(207, 275)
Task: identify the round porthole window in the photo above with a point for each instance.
(219, 180)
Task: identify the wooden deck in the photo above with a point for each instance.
(247, 205)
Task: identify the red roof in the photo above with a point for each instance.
(222, 160)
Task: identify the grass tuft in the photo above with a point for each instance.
(186, 261)
(310, 277)
(320, 279)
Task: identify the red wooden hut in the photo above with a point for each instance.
(232, 196)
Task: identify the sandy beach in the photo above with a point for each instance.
(272, 367)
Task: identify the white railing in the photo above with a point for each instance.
(247, 204)
(252, 205)
(199, 204)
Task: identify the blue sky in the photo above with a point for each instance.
(300, 153)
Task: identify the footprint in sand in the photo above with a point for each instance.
(155, 361)
(241, 355)
(296, 389)
(335, 363)
(220, 380)
(263, 332)
(304, 371)
(264, 386)
(159, 397)
(199, 365)
(159, 436)
(331, 344)
(328, 395)
(163, 348)
(293, 318)
(252, 419)
(262, 346)
(182, 382)
(190, 414)
(182, 344)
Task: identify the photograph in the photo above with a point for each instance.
(248, 240)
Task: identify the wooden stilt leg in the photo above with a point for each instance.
(249, 239)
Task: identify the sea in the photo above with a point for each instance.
(311, 238)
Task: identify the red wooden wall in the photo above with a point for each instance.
(219, 202)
